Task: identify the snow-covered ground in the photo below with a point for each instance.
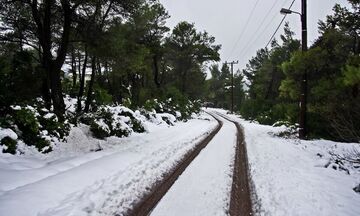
(296, 177)
(73, 181)
(204, 187)
(290, 177)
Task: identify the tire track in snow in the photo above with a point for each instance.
(149, 201)
(240, 201)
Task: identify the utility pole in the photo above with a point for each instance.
(303, 96)
(232, 83)
(303, 88)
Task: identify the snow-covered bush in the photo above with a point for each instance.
(9, 145)
(181, 109)
(114, 121)
(99, 129)
(49, 122)
(8, 140)
(290, 131)
(35, 126)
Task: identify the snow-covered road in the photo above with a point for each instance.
(290, 176)
(204, 187)
(100, 183)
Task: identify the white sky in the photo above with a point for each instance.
(226, 20)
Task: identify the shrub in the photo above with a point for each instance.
(11, 145)
(43, 145)
(31, 124)
(50, 123)
(99, 129)
(27, 124)
(115, 121)
(153, 104)
(120, 131)
(101, 96)
(137, 126)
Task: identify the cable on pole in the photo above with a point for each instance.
(273, 35)
(245, 49)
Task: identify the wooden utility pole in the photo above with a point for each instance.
(232, 84)
(303, 96)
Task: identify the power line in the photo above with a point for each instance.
(279, 25)
(243, 31)
(248, 45)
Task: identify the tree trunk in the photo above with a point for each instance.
(44, 33)
(156, 71)
(56, 93)
(108, 79)
(73, 68)
(91, 83)
(79, 64)
(45, 90)
(82, 82)
(270, 86)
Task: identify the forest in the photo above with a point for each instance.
(63, 61)
(101, 52)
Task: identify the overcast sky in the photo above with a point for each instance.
(226, 21)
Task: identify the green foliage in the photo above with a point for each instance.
(153, 104)
(111, 121)
(220, 86)
(137, 126)
(28, 125)
(53, 126)
(351, 75)
(69, 88)
(187, 50)
(98, 130)
(332, 68)
(11, 145)
(126, 102)
(176, 104)
(120, 131)
(318, 126)
(20, 78)
(351, 72)
(32, 123)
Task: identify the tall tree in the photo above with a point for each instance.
(48, 25)
(187, 51)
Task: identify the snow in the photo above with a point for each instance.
(87, 176)
(16, 107)
(49, 116)
(204, 187)
(101, 123)
(290, 177)
(6, 132)
(70, 180)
